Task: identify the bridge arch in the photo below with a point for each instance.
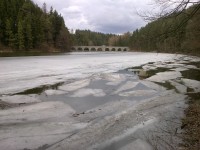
(113, 49)
(86, 49)
(119, 49)
(99, 49)
(93, 49)
(107, 49)
(73, 49)
(80, 49)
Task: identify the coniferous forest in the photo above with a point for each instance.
(90, 38)
(25, 27)
(176, 33)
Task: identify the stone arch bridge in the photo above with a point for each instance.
(98, 48)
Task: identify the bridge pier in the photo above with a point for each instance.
(98, 48)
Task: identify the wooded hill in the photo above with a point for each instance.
(176, 33)
(91, 38)
(24, 26)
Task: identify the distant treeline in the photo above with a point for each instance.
(24, 26)
(90, 38)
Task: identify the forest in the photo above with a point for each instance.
(175, 33)
(24, 26)
(91, 38)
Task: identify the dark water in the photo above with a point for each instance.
(41, 89)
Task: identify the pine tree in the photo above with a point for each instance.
(9, 34)
(29, 36)
(20, 36)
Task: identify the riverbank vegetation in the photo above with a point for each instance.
(26, 27)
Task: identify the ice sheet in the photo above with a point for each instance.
(87, 92)
(21, 73)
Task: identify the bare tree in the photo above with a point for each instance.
(171, 8)
(165, 8)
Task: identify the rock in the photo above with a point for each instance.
(143, 73)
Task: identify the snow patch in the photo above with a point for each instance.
(19, 99)
(54, 92)
(194, 84)
(164, 76)
(180, 88)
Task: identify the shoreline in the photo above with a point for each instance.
(30, 53)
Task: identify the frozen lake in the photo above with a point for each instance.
(21, 73)
(95, 100)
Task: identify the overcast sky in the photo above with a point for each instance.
(107, 16)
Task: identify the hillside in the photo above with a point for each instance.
(24, 27)
(176, 33)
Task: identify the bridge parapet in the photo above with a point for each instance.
(98, 48)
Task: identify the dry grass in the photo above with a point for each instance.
(191, 125)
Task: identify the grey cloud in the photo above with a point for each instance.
(108, 16)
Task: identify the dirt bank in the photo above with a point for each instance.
(191, 124)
